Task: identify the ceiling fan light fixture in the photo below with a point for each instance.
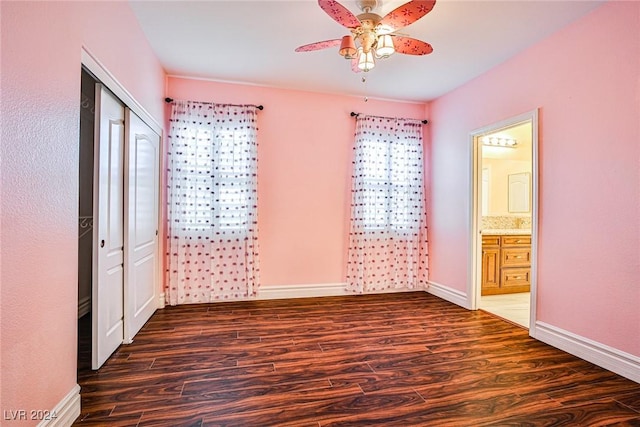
(348, 47)
(384, 46)
(373, 36)
(365, 60)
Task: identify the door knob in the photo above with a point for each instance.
(102, 243)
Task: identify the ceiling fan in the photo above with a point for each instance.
(373, 36)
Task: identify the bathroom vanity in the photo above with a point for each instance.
(506, 261)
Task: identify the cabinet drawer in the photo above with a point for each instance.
(490, 240)
(516, 257)
(515, 277)
(516, 240)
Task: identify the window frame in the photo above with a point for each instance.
(215, 183)
(388, 187)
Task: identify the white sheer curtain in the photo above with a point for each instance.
(212, 239)
(388, 232)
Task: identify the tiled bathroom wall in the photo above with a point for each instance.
(506, 222)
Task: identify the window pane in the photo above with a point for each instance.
(214, 182)
(232, 154)
(374, 212)
(374, 160)
(390, 171)
(401, 214)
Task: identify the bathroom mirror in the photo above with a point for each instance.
(519, 192)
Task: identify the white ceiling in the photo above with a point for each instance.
(253, 42)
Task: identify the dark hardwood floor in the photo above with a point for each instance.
(407, 359)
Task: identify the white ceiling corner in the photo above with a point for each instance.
(253, 42)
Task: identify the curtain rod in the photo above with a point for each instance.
(424, 122)
(170, 100)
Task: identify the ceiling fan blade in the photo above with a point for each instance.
(407, 14)
(319, 45)
(339, 13)
(410, 46)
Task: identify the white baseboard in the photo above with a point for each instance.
(84, 306)
(66, 411)
(269, 292)
(161, 301)
(316, 290)
(448, 294)
(614, 360)
(393, 291)
(302, 291)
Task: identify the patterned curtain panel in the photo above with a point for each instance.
(388, 233)
(212, 240)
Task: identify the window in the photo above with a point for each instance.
(212, 233)
(212, 173)
(388, 233)
(388, 178)
(220, 181)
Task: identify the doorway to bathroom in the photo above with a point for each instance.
(505, 219)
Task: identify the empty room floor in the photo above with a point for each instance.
(408, 359)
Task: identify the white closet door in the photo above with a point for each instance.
(141, 225)
(108, 238)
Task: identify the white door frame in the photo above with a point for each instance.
(110, 82)
(475, 243)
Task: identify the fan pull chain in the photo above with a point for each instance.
(364, 82)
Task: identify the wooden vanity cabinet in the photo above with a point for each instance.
(506, 264)
(490, 265)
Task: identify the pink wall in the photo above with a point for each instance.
(585, 79)
(305, 143)
(41, 51)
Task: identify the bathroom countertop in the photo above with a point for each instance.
(506, 231)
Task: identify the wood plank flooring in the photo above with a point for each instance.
(407, 359)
